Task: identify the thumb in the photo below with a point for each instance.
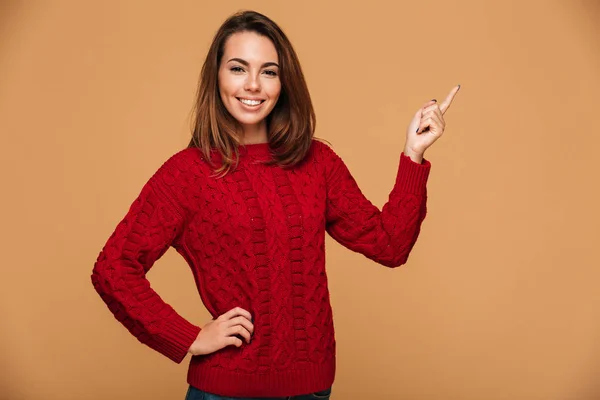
(420, 112)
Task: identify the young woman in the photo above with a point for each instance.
(247, 205)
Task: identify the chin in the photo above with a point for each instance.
(248, 121)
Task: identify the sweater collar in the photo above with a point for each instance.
(256, 151)
(247, 153)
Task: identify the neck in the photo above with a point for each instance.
(255, 134)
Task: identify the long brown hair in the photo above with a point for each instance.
(291, 123)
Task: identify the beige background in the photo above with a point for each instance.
(500, 297)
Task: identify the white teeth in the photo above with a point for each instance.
(251, 102)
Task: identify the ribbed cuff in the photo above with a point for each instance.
(176, 338)
(412, 177)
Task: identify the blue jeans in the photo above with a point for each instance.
(197, 394)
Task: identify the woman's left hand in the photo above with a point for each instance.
(427, 126)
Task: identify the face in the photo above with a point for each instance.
(249, 82)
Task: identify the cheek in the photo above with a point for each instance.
(225, 84)
(274, 89)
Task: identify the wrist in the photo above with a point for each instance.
(415, 157)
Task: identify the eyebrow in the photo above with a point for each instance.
(244, 62)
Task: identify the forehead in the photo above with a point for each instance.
(251, 47)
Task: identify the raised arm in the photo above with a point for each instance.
(385, 236)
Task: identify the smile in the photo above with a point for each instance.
(251, 103)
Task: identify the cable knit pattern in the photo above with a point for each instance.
(254, 239)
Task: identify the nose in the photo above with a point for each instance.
(252, 84)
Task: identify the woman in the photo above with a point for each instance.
(247, 205)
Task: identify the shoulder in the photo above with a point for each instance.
(322, 150)
(180, 175)
(323, 153)
(183, 159)
(177, 177)
(178, 165)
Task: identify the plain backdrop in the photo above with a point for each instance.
(499, 298)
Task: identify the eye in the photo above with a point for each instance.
(270, 72)
(236, 69)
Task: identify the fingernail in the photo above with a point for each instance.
(417, 130)
(434, 100)
(459, 86)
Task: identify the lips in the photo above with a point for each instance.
(250, 102)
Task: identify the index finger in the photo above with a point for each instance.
(237, 311)
(448, 100)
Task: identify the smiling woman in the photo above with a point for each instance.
(254, 232)
(252, 90)
(249, 86)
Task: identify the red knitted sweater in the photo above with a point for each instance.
(254, 239)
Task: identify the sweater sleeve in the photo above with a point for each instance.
(150, 226)
(385, 236)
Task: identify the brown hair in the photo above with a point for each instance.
(291, 123)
